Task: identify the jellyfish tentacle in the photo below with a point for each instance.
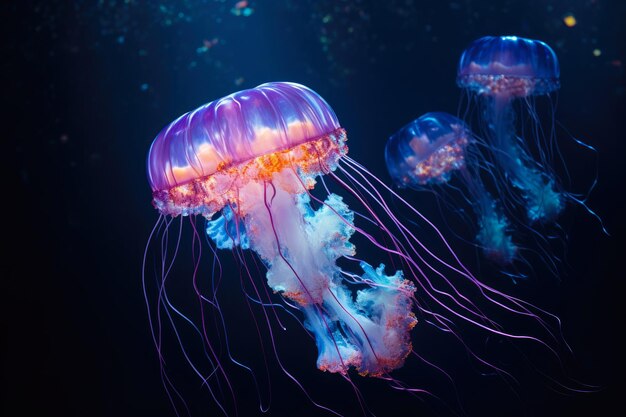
(544, 201)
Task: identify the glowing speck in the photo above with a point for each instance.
(144, 87)
(597, 52)
(569, 20)
(241, 9)
(207, 44)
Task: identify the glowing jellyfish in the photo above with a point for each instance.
(249, 163)
(429, 152)
(500, 70)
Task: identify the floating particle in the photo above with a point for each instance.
(144, 87)
(239, 81)
(64, 138)
(597, 52)
(211, 43)
(206, 45)
(569, 20)
(241, 9)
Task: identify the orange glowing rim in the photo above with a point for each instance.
(207, 194)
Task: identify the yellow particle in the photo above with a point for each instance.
(569, 20)
(597, 52)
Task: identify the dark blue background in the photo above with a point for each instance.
(88, 85)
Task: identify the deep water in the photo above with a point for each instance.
(88, 85)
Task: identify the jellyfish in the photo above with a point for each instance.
(264, 168)
(502, 70)
(431, 151)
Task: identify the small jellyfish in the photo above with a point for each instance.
(431, 151)
(500, 70)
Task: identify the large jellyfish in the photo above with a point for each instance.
(500, 70)
(248, 163)
(433, 149)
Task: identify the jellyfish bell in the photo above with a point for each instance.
(508, 67)
(199, 163)
(427, 150)
(427, 153)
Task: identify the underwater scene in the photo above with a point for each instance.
(314, 208)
